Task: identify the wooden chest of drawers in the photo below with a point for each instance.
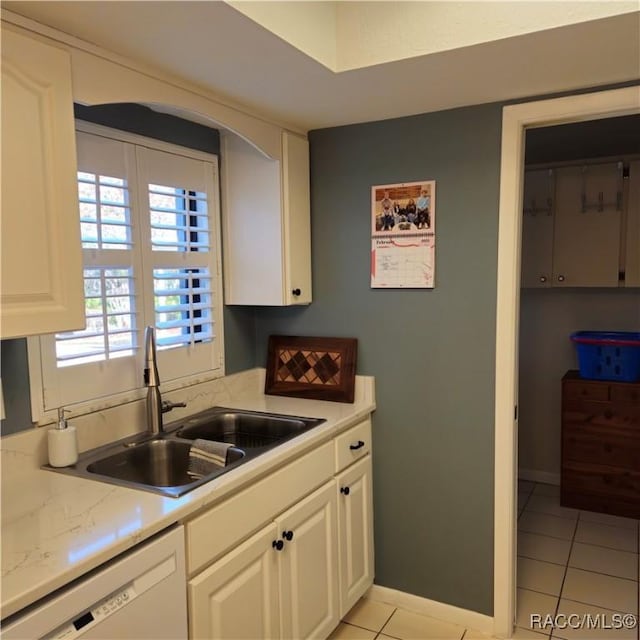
(600, 446)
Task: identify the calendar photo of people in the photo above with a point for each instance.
(403, 208)
(403, 222)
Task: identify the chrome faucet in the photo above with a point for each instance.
(155, 406)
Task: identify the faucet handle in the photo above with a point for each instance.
(167, 405)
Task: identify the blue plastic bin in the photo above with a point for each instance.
(608, 355)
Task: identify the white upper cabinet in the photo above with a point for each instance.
(632, 247)
(296, 219)
(580, 227)
(266, 223)
(41, 281)
(265, 185)
(537, 227)
(587, 228)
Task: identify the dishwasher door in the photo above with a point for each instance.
(140, 595)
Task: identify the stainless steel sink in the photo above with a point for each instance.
(161, 464)
(158, 463)
(244, 429)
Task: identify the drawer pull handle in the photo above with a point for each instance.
(353, 447)
(277, 545)
(287, 535)
(345, 490)
(296, 292)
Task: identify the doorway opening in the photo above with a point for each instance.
(580, 252)
(516, 120)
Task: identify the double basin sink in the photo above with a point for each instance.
(164, 464)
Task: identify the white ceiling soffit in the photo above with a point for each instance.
(352, 35)
(213, 45)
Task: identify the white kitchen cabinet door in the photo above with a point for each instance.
(237, 597)
(537, 227)
(632, 257)
(309, 566)
(297, 218)
(42, 285)
(266, 223)
(586, 239)
(355, 526)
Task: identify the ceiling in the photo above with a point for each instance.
(216, 46)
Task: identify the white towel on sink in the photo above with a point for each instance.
(205, 456)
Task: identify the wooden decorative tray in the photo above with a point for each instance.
(313, 368)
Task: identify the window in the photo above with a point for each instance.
(148, 215)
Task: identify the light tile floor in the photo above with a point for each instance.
(571, 563)
(575, 562)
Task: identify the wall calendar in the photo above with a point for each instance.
(403, 235)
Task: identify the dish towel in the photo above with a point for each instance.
(206, 456)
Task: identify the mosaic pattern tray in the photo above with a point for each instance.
(314, 368)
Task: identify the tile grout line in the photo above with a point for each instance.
(566, 569)
(387, 622)
(526, 502)
(601, 573)
(587, 522)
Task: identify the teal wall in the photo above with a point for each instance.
(431, 351)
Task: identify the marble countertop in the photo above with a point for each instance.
(55, 527)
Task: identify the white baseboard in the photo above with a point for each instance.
(433, 608)
(539, 476)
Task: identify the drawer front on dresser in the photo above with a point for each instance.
(601, 445)
(626, 393)
(581, 477)
(620, 416)
(575, 392)
(601, 503)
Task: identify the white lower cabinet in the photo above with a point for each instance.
(309, 593)
(281, 583)
(355, 521)
(237, 597)
(305, 552)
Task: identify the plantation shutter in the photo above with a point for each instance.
(181, 260)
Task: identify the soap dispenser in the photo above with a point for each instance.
(63, 444)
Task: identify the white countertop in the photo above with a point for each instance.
(55, 527)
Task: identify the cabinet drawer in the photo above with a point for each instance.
(601, 445)
(352, 445)
(624, 415)
(626, 393)
(582, 390)
(225, 525)
(579, 477)
(601, 504)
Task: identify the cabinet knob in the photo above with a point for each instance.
(359, 445)
(543, 278)
(345, 490)
(287, 535)
(560, 278)
(278, 545)
(296, 292)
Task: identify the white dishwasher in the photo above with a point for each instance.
(139, 595)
